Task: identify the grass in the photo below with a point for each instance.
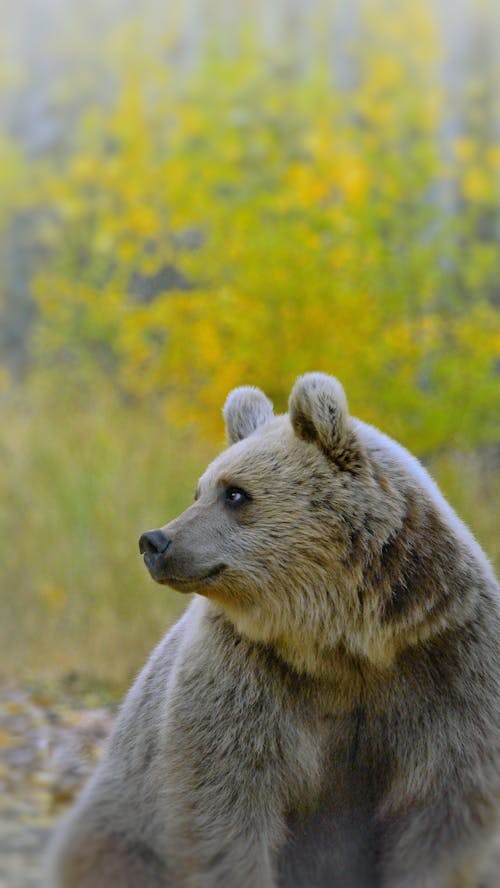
(81, 479)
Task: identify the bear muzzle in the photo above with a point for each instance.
(154, 545)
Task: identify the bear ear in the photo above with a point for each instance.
(246, 409)
(318, 412)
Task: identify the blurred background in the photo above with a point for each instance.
(197, 195)
(202, 194)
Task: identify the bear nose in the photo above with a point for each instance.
(153, 542)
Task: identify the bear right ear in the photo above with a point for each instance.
(246, 409)
(318, 412)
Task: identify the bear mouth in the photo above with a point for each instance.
(186, 583)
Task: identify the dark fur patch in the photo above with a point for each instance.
(349, 458)
(409, 568)
(304, 427)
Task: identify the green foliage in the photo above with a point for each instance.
(251, 222)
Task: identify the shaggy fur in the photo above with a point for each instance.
(326, 712)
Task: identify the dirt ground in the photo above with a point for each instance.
(49, 743)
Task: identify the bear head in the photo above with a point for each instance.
(314, 531)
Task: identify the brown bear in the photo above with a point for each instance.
(327, 710)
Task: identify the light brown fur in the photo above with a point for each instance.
(326, 713)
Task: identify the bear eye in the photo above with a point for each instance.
(235, 496)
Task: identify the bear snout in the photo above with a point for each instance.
(178, 562)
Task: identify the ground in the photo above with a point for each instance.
(50, 741)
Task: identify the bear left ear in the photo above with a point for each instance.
(318, 412)
(246, 409)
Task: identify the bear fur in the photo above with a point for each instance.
(327, 710)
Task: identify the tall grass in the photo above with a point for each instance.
(81, 478)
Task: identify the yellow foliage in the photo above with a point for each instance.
(353, 177)
(477, 184)
(244, 224)
(465, 149)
